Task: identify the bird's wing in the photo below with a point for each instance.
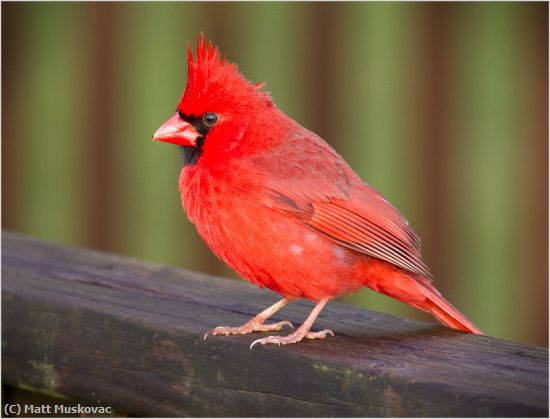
(375, 235)
(326, 195)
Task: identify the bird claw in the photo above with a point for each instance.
(248, 328)
(292, 338)
(319, 335)
(273, 327)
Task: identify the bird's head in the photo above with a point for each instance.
(216, 102)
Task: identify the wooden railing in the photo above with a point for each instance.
(113, 331)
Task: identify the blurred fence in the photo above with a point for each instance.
(441, 106)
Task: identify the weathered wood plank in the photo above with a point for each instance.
(129, 334)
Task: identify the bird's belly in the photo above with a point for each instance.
(275, 250)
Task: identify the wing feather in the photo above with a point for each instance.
(350, 229)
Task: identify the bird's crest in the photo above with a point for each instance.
(212, 79)
(207, 62)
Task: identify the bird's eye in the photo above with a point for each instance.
(209, 119)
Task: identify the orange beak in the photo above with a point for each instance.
(177, 131)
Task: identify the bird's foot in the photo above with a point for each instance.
(295, 337)
(253, 325)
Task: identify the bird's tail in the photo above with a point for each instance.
(419, 292)
(443, 311)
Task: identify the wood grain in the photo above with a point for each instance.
(129, 334)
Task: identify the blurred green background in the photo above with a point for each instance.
(441, 106)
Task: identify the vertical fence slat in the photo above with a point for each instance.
(49, 156)
(487, 205)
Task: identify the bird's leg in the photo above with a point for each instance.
(302, 332)
(256, 323)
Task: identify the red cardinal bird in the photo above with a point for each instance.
(283, 209)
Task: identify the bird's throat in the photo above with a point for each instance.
(192, 154)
